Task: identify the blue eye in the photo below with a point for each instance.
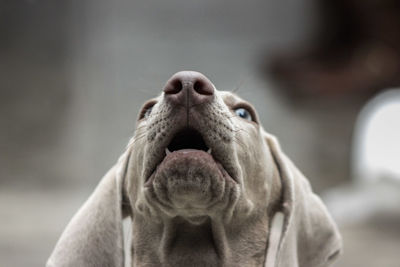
(148, 112)
(243, 113)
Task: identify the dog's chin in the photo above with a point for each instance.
(189, 183)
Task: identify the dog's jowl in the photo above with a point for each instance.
(203, 184)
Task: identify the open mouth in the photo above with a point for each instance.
(185, 143)
(187, 139)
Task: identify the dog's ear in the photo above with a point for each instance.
(94, 235)
(304, 232)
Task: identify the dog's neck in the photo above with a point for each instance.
(176, 242)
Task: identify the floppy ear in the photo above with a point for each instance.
(308, 237)
(94, 235)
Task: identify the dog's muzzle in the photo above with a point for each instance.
(190, 177)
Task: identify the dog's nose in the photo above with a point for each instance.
(189, 88)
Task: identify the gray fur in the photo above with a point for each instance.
(192, 213)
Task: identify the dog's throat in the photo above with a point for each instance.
(185, 238)
(212, 243)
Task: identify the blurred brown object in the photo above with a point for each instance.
(355, 52)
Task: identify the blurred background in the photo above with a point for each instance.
(73, 75)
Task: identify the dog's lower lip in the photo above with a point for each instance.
(167, 151)
(184, 152)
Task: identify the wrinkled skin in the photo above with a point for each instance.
(199, 209)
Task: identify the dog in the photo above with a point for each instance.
(203, 185)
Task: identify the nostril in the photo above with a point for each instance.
(203, 88)
(173, 87)
(189, 86)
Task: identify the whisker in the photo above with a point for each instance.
(141, 127)
(241, 129)
(239, 142)
(140, 134)
(242, 82)
(153, 114)
(138, 138)
(151, 92)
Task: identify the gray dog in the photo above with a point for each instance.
(203, 185)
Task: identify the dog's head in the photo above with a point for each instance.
(199, 153)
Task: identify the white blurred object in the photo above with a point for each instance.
(376, 147)
(375, 164)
